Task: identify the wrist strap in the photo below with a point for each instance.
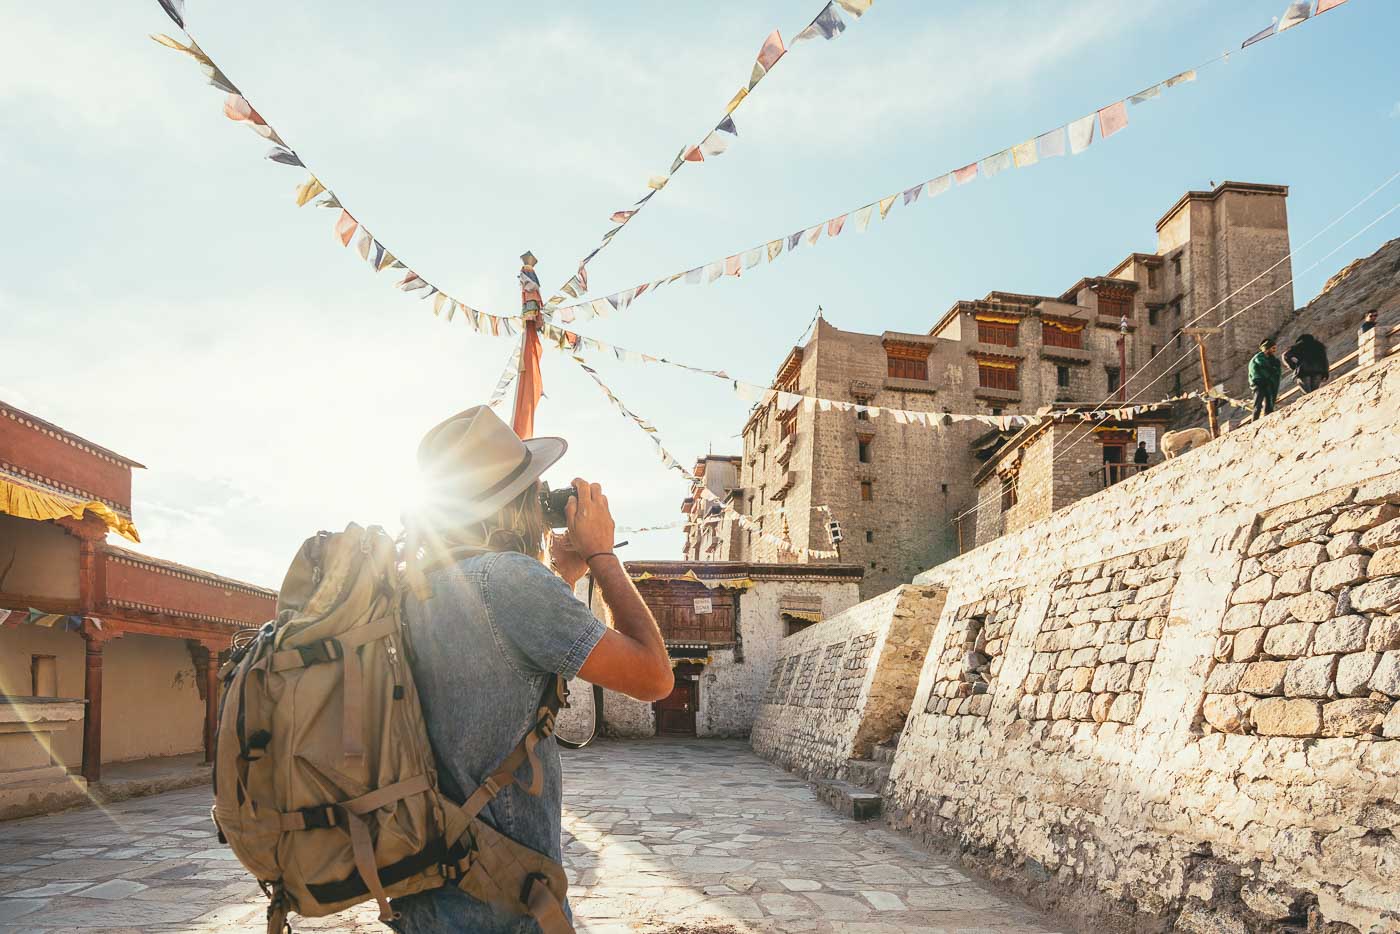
(597, 554)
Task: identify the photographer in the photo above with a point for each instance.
(499, 623)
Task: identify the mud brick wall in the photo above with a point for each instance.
(1256, 788)
(845, 684)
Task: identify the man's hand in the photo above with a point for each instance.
(565, 559)
(591, 527)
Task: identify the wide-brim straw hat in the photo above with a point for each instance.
(473, 464)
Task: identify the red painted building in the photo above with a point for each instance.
(132, 639)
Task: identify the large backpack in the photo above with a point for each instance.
(325, 783)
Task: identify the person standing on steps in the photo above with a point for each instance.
(1265, 371)
(1308, 359)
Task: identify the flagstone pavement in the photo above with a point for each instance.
(681, 837)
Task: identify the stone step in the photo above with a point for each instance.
(868, 774)
(845, 798)
(885, 751)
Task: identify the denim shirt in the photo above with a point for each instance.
(497, 625)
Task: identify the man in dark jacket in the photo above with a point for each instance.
(1308, 358)
(1264, 374)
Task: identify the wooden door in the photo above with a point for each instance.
(675, 713)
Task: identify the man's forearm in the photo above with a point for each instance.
(629, 612)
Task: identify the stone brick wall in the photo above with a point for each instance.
(845, 684)
(972, 656)
(1233, 799)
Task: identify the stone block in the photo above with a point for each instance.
(1383, 634)
(1277, 716)
(1261, 678)
(1060, 708)
(1256, 590)
(1117, 632)
(1156, 589)
(1347, 543)
(1033, 683)
(1119, 677)
(1113, 652)
(1354, 716)
(1083, 677)
(1304, 530)
(1142, 651)
(1379, 489)
(1156, 626)
(1263, 543)
(1341, 572)
(1345, 634)
(1100, 707)
(1084, 657)
(1386, 677)
(1079, 707)
(1228, 713)
(1141, 672)
(1138, 632)
(1289, 640)
(1354, 673)
(1377, 596)
(1291, 583)
(1391, 728)
(1248, 644)
(1310, 677)
(1305, 508)
(1125, 708)
(1275, 613)
(1225, 679)
(1367, 517)
(1043, 705)
(1382, 536)
(1299, 556)
(1312, 607)
(1025, 707)
(1385, 562)
(1242, 616)
(1224, 648)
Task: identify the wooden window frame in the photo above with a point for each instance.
(867, 491)
(901, 367)
(996, 377)
(997, 332)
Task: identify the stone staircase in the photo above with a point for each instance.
(861, 796)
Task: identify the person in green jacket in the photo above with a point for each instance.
(1265, 371)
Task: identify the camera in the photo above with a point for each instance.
(552, 502)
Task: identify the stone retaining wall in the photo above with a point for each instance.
(1190, 720)
(845, 684)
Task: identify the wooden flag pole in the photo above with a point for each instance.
(1199, 335)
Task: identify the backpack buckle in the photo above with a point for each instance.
(318, 653)
(319, 816)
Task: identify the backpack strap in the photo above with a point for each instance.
(504, 776)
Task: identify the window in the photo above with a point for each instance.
(872, 565)
(793, 625)
(1054, 334)
(945, 487)
(1178, 338)
(1152, 277)
(996, 332)
(43, 675)
(867, 490)
(869, 535)
(1113, 378)
(1062, 377)
(1176, 308)
(862, 415)
(1115, 304)
(1176, 265)
(1152, 315)
(1008, 493)
(996, 410)
(907, 367)
(787, 427)
(998, 376)
(761, 494)
(1153, 350)
(863, 451)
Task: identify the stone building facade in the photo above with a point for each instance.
(1191, 711)
(897, 488)
(707, 528)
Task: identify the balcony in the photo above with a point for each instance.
(899, 384)
(785, 448)
(788, 480)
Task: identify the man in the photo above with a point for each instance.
(499, 623)
(1140, 455)
(1308, 359)
(1368, 321)
(1265, 371)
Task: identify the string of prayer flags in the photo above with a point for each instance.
(65, 622)
(828, 24)
(239, 109)
(1072, 138)
(1260, 36)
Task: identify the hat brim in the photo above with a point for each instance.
(544, 453)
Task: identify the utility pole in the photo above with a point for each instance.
(1199, 335)
(1123, 359)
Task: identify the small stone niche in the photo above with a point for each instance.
(972, 656)
(1095, 649)
(1310, 644)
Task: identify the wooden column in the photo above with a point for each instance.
(206, 667)
(92, 718)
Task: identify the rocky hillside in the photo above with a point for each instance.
(1334, 315)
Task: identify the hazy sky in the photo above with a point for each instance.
(161, 294)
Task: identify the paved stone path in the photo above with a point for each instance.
(674, 837)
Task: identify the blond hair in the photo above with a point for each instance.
(517, 526)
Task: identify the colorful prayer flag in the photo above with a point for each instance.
(1185, 76)
(364, 244)
(997, 163)
(863, 218)
(622, 217)
(345, 227)
(856, 8)
(753, 257)
(1324, 5)
(833, 226)
(772, 50)
(885, 205)
(736, 100)
(813, 234)
(828, 25)
(1051, 144)
(1081, 134)
(175, 9)
(693, 154)
(732, 265)
(912, 194)
(284, 157)
(1024, 154)
(939, 185)
(966, 174)
(308, 190)
(1112, 119)
(1145, 95)
(1259, 36)
(1298, 10)
(793, 240)
(774, 248)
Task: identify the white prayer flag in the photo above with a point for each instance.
(1081, 133)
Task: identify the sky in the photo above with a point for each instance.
(161, 294)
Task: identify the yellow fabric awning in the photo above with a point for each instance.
(997, 364)
(27, 502)
(731, 583)
(1067, 328)
(810, 616)
(996, 319)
